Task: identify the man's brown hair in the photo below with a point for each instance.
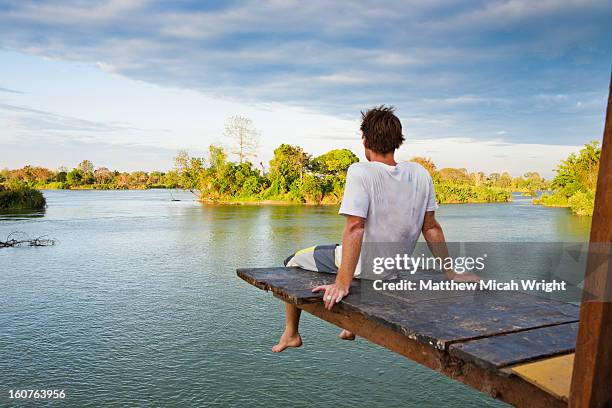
(381, 129)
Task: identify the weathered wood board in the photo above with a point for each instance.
(443, 321)
(481, 329)
(514, 348)
(294, 284)
(437, 318)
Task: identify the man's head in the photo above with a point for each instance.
(381, 131)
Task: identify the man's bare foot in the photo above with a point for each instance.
(346, 335)
(287, 341)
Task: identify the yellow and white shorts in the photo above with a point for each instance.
(319, 258)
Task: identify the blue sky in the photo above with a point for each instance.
(488, 85)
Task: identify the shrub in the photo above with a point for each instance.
(447, 193)
(21, 198)
(312, 189)
(552, 200)
(582, 203)
(55, 185)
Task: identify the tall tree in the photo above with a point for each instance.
(102, 175)
(243, 137)
(287, 167)
(216, 157)
(190, 170)
(74, 177)
(86, 167)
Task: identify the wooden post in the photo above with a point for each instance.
(592, 374)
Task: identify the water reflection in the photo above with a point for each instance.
(20, 214)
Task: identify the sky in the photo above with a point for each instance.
(511, 85)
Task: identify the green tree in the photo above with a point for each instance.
(330, 176)
(155, 178)
(477, 178)
(505, 180)
(74, 177)
(312, 189)
(576, 180)
(189, 170)
(213, 181)
(61, 176)
(579, 171)
(171, 179)
(86, 168)
(335, 161)
(138, 179)
(287, 168)
(216, 157)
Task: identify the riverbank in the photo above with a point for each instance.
(446, 194)
(580, 203)
(255, 202)
(66, 186)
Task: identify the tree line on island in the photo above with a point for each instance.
(292, 176)
(295, 176)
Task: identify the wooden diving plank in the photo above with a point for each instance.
(433, 317)
(519, 347)
(443, 321)
(422, 326)
(554, 375)
(295, 284)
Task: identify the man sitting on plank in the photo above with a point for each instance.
(384, 202)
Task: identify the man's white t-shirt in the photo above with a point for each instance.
(392, 199)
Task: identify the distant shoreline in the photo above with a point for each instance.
(260, 202)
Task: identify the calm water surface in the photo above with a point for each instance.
(139, 305)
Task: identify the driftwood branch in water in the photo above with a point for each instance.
(19, 238)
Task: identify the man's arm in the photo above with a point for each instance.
(352, 238)
(433, 234)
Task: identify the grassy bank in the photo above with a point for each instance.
(21, 198)
(66, 186)
(454, 194)
(580, 203)
(445, 194)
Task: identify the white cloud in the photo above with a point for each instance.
(74, 12)
(134, 125)
(304, 70)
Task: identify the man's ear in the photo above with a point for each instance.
(368, 153)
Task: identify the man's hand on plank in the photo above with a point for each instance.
(333, 293)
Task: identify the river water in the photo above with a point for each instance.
(139, 305)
